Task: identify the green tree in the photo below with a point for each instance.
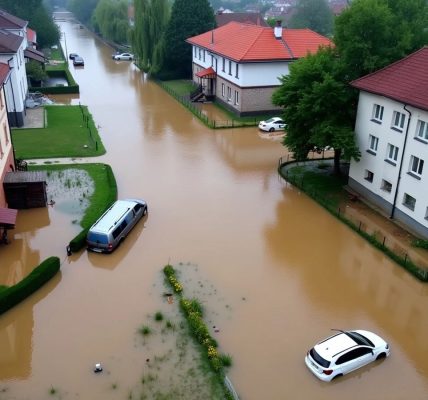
(35, 71)
(151, 19)
(83, 9)
(313, 14)
(111, 20)
(318, 106)
(188, 18)
(371, 34)
(38, 19)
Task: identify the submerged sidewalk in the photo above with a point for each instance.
(372, 221)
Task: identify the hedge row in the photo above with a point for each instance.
(72, 87)
(12, 295)
(79, 241)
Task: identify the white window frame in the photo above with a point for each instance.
(392, 153)
(416, 166)
(398, 120)
(409, 201)
(229, 94)
(386, 186)
(223, 90)
(377, 114)
(422, 130)
(236, 97)
(368, 176)
(373, 143)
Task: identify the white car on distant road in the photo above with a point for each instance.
(123, 57)
(272, 124)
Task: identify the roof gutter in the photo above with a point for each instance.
(394, 204)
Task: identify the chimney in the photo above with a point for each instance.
(277, 30)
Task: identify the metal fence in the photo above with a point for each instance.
(211, 123)
(373, 231)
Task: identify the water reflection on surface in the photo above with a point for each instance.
(286, 272)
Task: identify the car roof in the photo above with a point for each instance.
(334, 345)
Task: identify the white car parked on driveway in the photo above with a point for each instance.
(344, 352)
(272, 124)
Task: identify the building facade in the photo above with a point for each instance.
(240, 64)
(7, 160)
(392, 135)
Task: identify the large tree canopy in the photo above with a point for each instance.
(151, 19)
(188, 18)
(38, 19)
(318, 106)
(313, 14)
(111, 20)
(371, 34)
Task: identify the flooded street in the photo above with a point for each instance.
(279, 271)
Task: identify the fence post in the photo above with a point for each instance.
(359, 227)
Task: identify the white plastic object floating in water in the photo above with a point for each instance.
(98, 368)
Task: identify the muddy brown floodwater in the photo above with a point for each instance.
(275, 271)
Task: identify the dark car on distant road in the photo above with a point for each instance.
(72, 56)
(78, 61)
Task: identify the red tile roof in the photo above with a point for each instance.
(4, 72)
(8, 217)
(405, 81)
(246, 42)
(31, 35)
(9, 21)
(206, 73)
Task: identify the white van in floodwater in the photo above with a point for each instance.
(113, 226)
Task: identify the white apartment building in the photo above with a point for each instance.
(392, 135)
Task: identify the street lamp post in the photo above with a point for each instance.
(65, 45)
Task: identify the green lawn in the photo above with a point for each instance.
(181, 86)
(70, 132)
(320, 181)
(105, 191)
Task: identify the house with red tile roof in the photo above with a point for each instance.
(240, 64)
(392, 134)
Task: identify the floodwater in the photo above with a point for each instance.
(281, 271)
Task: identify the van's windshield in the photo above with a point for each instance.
(97, 237)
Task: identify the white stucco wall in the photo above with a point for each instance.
(249, 74)
(383, 170)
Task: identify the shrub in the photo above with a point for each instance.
(36, 279)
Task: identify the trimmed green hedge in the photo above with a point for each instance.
(12, 295)
(64, 72)
(79, 241)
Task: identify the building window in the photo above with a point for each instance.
(368, 175)
(422, 130)
(200, 53)
(386, 186)
(373, 143)
(6, 134)
(194, 51)
(224, 65)
(416, 166)
(222, 90)
(236, 70)
(426, 214)
(203, 55)
(236, 97)
(230, 67)
(212, 60)
(409, 201)
(392, 154)
(377, 114)
(398, 121)
(229, 93)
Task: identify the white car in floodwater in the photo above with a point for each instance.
(344, 352)
(272, 124)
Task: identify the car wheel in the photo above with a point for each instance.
(336, 376)
(271, 129)
(381, 356)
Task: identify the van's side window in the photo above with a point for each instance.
(119, 229)
(137, 208)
